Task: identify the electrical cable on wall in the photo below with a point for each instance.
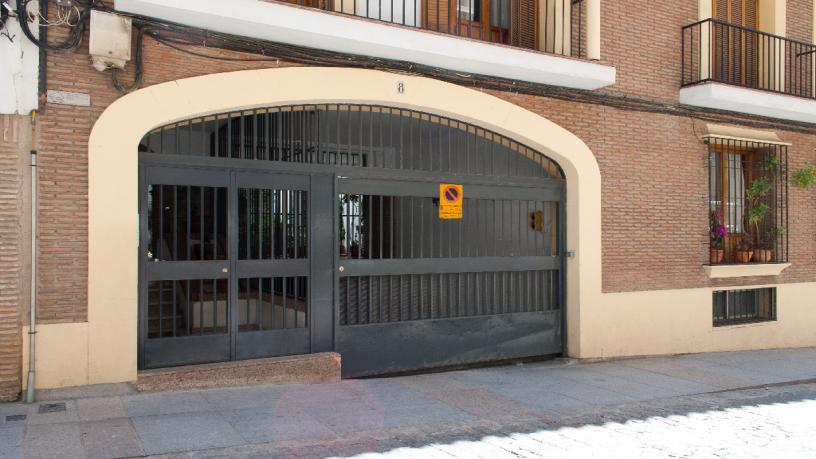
(68, 14)
(5, 10)
(137, 63)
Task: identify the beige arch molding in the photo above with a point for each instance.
(113, 179)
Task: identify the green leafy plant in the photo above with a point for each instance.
(769, 163)
(804, 177)
(755, 208)
(771, 235)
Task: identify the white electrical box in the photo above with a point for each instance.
(110, 40)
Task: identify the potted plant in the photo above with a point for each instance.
(744, 250)
(765, 250)
(717, 232)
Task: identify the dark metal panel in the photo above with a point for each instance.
(402, 346)
(362, 267)
(323, 248)
(176, 270)
(168, 352)
(545, 191)
(270, 268)
(186, 176)
(142, 257)
(258, 344)
(273, 181)
(343, 171)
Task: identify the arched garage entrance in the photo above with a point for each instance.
(305, 228)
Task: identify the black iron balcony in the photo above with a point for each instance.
(552, 26)
(716, 51)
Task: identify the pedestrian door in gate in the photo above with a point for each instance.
(226, 265)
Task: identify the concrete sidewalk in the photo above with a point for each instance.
(359, 416)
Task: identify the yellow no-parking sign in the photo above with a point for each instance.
(450, 201)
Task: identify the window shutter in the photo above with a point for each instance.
(739, 12)
(523, 27)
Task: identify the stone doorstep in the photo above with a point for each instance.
(296, 369)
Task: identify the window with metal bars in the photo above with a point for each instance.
(353, 136)
(748, 202)
(732, 307)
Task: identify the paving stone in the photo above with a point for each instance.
(235, 398)
(68, 415)
(53, 440)
(96, 408)
(263, 425)
(165, 403)
(110, 438)
(11, 440)
(184, 432)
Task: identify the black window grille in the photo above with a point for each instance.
(733, 307)
(748, 202)
(354, 136)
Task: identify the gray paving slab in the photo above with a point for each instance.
(110, 438)
(781, 370)
(70, 413)
(54, 440)
(160, 434)
(689, 371)
(643, 386)
(348, 418)
(235, 398)
(11, 440)
(263, 425)
(96, 408)
(672, 385)
(165, 403)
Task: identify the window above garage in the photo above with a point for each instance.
(551, 42)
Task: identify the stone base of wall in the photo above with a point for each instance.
(299, 369)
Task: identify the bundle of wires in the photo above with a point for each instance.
(69, 13)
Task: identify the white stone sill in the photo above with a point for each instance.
(745, 270)
(751, 101)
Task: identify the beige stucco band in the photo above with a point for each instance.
(113, 171)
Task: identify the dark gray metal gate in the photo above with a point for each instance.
(417, 291)
(226, 273)
(303, 229)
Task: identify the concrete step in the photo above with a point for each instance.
(293, 369)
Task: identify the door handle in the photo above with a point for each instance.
(224, 270)
(341, 269)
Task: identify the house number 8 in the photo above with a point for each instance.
(401, 87)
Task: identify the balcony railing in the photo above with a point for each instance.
(716, 51)
(552, 26)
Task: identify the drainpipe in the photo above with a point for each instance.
(32, 329)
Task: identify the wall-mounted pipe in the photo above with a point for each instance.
(32, 329)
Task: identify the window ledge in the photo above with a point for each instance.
(752, 101)
(746, 270)
(346, 34)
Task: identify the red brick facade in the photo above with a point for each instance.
(14, 136)
(654, 167)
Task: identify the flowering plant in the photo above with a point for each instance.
(717, 230)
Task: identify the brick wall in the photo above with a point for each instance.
(653, 166)
(800, 20)
(14, 138)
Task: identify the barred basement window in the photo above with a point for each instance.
(748, 202)
(733, 307)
